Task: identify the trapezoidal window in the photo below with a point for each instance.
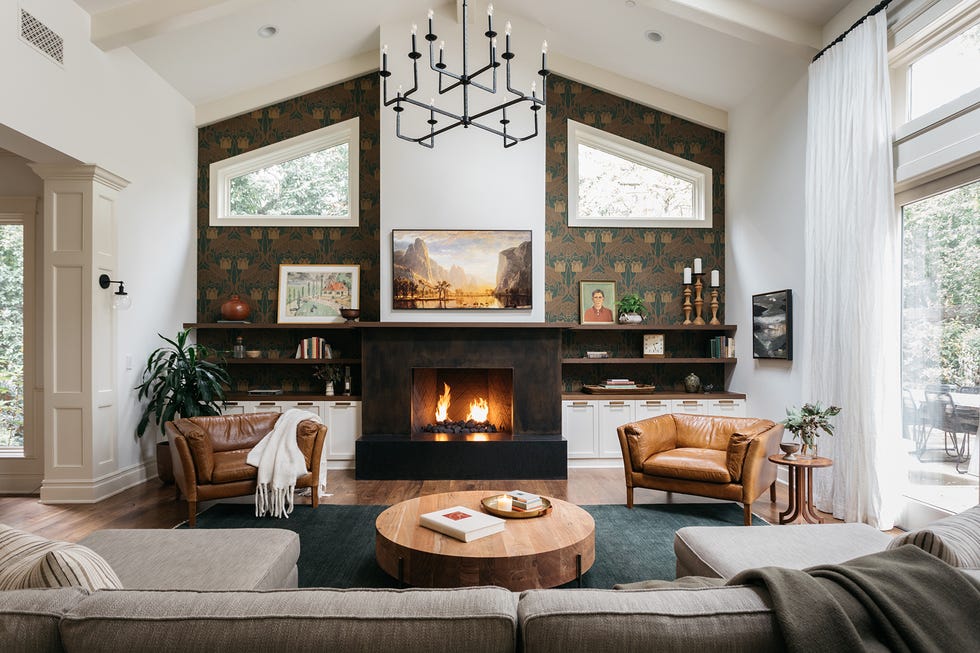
(616, 182)
(308, 180)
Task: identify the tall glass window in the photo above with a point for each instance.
(11, 337)
(945, 73)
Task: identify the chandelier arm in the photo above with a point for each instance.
(493, 130)
(499, 107)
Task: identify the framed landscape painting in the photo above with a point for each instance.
(460, 269)
(310, 294)
(772, 325)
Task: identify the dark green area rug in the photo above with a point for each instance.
(337, 542)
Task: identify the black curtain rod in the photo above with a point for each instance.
(878, 7)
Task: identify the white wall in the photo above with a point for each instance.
(765, 156)
(468, 181)
(16, 179)
(110, 109)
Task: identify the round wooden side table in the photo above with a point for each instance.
(800, 487)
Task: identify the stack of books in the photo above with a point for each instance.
(619, 383)
(721, 347)
(313, 348)
(523, 501)
(597, 354)
(462, 523)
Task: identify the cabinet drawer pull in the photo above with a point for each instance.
(653, 403)
(267, 403)
(690, 403)
(580, 403)
(341, 403)
(725, 401)
(304, 403)
(231, 403)
(617, 403)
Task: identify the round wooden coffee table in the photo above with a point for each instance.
(532, 553)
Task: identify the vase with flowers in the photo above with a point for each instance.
(331, 374)
(806, 422)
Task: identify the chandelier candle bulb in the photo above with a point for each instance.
(715, 281)
(687, 271)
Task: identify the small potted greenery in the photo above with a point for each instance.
(806, 422)
(631, 309)
(332, 374)
(179, 381)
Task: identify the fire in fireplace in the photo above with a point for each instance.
(476, 420)
(462, 401)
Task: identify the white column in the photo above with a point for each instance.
(80, 402)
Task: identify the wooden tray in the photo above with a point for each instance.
(603, 390)
(490, 505)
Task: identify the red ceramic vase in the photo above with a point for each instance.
(235, 309)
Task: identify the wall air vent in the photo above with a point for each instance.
(42, 37)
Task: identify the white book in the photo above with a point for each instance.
(524, 497)
(462, 523)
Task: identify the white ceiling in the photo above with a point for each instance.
(715, 53)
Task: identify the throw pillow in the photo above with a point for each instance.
(30, 561)
(955, 540)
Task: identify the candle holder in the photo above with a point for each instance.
(714, 307)
(687, 303)
(698, 300)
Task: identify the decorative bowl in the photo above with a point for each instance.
(789, 450)
(350, 314)
(254, 353)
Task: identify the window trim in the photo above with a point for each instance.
(222, 172)
(700, 176)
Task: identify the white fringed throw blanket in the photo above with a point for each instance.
(280, 463)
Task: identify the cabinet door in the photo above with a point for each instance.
(579, 425)
(690, 406)
(315, 407)
(264, 406)
(613, 413)
(730, 407)
(233, 407)
(343, 428)
(651, 408)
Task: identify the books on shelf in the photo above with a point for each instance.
(523, 501)
(721, 347)
(463, 523)
(597, 354)
(313, 348)
(265, 391)
(619, 383)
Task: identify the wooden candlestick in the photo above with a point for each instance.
(698, 300)
(714, 307)
(687, 303)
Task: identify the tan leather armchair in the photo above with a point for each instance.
(209, 455)
(719, 457)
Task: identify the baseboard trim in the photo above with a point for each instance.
(95, 490)
(20, 483)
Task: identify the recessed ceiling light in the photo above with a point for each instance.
(655, 36)
(630, 3)
(267, 31)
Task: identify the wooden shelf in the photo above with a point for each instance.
(672, 328)
(289, 396)
(582, 396)
(293, 361)
(234, 326)
(645, 361)
(723, 328)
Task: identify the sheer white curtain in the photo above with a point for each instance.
(851, 336)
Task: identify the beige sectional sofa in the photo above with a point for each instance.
(228, 590)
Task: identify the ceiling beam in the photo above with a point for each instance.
(128, 24)
(747, 21)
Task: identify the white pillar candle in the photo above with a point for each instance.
(715, 281)
(697, 266)
(687, 275)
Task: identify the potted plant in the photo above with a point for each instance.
(806, 422)
(329, 373)
(631, 309)
(179, 381)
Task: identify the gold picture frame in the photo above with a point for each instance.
(314, 294)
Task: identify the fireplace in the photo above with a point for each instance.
(456, 402)
(516, 369)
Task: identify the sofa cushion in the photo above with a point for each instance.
(474, 619)
(219, 559)
(723, 551)
(29, 618)
(32, 561)
(706, 465)
(230, 432)
(230, 466)
(705, 619)
(955, 539)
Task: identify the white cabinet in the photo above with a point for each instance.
(579, 425)
(651, 408)
(689, 406)
(264, 406)
(613, 413)
(233, 407)
(730, 407)
(343, 420)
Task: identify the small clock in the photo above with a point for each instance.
(653, 345)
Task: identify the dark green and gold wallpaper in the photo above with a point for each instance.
(648, 262)
(245, 260)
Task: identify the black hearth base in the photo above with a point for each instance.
(389, 458)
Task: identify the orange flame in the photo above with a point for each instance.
(479, 410)
(442, 408)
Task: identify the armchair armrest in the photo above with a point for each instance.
(757, 472)
(640, 440)
(183, 463)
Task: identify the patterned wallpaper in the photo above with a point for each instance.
(245, 260)
(648, 262)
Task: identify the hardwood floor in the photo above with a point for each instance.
(152, 504)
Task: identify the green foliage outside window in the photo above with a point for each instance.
(315, 184)
(11, 336)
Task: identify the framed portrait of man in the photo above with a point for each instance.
(597, 302)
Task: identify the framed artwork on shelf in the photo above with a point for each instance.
(772, 325)
(314, 294)
(443, 269)
(596, 301)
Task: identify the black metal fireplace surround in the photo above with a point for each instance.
(391, 444)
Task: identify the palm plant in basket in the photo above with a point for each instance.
(180, 381)
(806, 422)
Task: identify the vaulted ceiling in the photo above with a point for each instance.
(714, 52)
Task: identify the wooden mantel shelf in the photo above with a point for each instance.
(728, 328)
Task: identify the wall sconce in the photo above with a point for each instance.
(120, 299)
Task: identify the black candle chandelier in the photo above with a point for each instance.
(449, 81)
